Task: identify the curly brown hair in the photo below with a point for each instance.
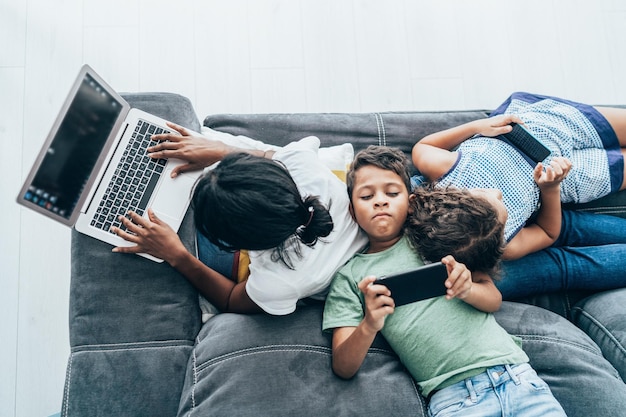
(453, 221)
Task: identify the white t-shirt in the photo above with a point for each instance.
(272, 285)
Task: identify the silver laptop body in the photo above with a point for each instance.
(93, 165)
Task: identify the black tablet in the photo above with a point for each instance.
(416, 284)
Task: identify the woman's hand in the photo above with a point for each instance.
(198, 151)
(152, 236)
(496, 125)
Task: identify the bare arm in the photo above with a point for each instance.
(433, 155)
(220, 291)
(476, 289)
(547, 227)
(350, 344)
(198, 151)
(155, 237)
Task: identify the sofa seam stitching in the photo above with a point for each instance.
(128, 349)
(557, 340)
(255, 351)
(68, 383)
(378, 128)
(603, 328)
(276, 348)
(606, 208)
(195, 381)
(131, 346)
(382, 125)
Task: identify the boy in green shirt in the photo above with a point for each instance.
(451, 345)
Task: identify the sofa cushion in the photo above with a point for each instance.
(240, 363)
(602, 317)
(260, 365)
(116, 308)
(130, 379)
(583, 381)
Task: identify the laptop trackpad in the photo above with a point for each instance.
(172, 197)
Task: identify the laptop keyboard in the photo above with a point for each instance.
(133, 182)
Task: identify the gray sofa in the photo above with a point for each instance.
(139, 348)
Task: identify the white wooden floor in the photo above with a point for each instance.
(257, 56)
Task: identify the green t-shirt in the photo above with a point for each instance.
(440, 341)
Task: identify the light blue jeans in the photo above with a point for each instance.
(501, 391)
(590, 254)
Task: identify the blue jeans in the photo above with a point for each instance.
(508, 391)
(215, 258)
(590, 254)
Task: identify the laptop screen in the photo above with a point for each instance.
(74, 150)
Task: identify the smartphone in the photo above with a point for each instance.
(416, 284)
(523, 140)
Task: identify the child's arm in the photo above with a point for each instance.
(350, 344)
(547, 227)
(432, 155)
(476, 289)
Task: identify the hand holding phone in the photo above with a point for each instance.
(417, 284)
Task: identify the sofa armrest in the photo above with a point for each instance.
(132, 321)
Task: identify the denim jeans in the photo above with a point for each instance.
(215, 258)
(590, 254)
(508, 391)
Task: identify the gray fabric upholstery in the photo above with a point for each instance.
(132, 321)
(281, 366)
(603, 317)
(398, 129)
(568, 360)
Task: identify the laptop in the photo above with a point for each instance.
(93, 166)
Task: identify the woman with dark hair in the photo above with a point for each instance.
(285, 207)
(226, 193)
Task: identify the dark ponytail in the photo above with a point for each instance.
(250, 202)
(317, 222)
